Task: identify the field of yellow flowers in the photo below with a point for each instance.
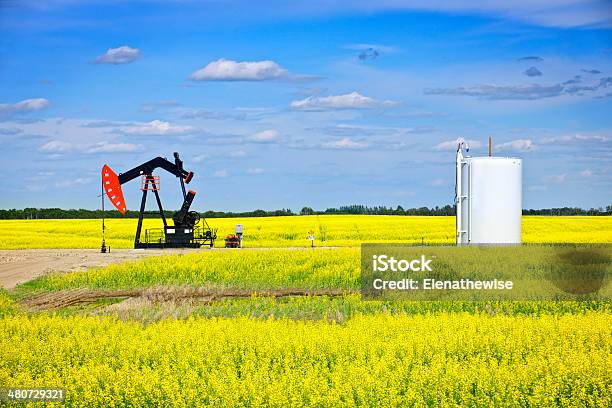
(258, 350)
(329, 230)
(447, 359)
(301, 351)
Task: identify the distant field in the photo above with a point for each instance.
(330, 230)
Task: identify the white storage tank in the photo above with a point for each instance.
(489, 199)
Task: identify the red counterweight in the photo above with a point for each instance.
(112, 188)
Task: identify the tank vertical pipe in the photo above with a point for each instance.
(460, 193)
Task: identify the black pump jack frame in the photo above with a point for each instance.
(143, 202)
(183, 233)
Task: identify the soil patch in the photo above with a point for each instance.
(56, 300)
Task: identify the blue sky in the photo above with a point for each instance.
(286, 104)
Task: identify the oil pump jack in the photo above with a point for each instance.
(186, 231)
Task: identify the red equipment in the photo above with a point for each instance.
(232, 241)
(112, 187)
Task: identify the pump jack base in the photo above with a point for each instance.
(162, 245)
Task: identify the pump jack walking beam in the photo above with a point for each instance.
(148, 167)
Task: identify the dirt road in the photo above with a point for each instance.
(18, 266)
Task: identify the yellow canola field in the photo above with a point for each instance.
(329, 230)
(423, 360)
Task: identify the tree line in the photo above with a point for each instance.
(58, 213)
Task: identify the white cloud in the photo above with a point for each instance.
(59, 146)
(345, 143)
(353, 100)
(527, 92)
(220, 174)
(31, 104)
(495, 92)
(256, 170)
(265, 136)
(228, 70)
(452, 144)
(24, 106)
(73, 182)
(586, 173)
(105, 147)
(577, 138)
(119, 55)
(521, 145)
(156, 127)
(103, 124)
(56, 146)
